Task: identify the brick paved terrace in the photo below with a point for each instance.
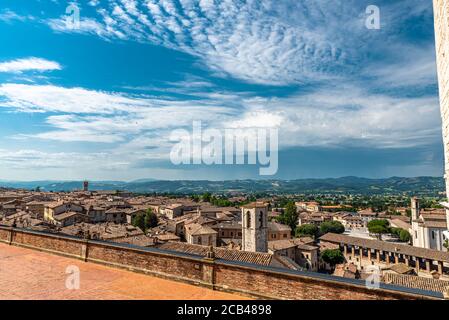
(29, 274)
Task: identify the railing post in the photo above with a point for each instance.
(209, 268)
(84, 250)
(10, 235)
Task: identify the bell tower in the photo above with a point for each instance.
(255, 227)
(441, 16)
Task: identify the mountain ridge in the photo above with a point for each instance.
(350, 184)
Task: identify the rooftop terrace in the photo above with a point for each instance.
(30, 274)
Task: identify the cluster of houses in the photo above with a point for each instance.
(248, 233)
(183, 223)
(313, 213)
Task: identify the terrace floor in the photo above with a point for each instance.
(30, 274)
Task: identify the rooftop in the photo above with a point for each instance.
(408, 281)
(220, 253)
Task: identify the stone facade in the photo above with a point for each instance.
(255, 228)
(427, 229)
(441, 12)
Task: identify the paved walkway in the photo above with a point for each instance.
(30, 274)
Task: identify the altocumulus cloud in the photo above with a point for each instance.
(265, 42)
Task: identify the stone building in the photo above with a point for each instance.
(427, 227)
(441, 14)
(255, 227)
(62, 212)
(200, 234)
(365, 253)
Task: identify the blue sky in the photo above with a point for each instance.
(101, 101)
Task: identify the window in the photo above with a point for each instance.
(285, 235)
(199, 240)
(261, 219)
(248, 219)
(433, 235)
(232, 234)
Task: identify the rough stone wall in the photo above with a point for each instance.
(233, 277)
(183, 269)
(441, 14)
(290, 287)
(255, 235)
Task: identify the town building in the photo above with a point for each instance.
(365, 253)
(427, 227)
(200, 234)
(255, 227)
(63, 213)
(304, 255)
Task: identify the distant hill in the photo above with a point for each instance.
(355, 185)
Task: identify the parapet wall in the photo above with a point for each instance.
(248, 279)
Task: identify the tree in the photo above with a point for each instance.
(306, 230)
(408, 212)
(332, 256)
(379, 227)
(151, 219)
(207, 197)
(332, 227)
(139, 221)
(404, 236)
(290, 216)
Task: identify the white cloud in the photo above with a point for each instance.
(252, 41)
(29, 64)
(9, 16)
(351, 117)
(266, 42)
(330, 117)
(49, 98)
(30, 158)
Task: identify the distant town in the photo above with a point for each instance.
(404, 237)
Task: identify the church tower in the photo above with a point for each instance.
(441, 15)
(255, 227)
(415, 208)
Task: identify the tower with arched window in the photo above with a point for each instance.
(255, 227)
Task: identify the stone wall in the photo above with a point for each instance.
(252, 280)
(441, 13)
